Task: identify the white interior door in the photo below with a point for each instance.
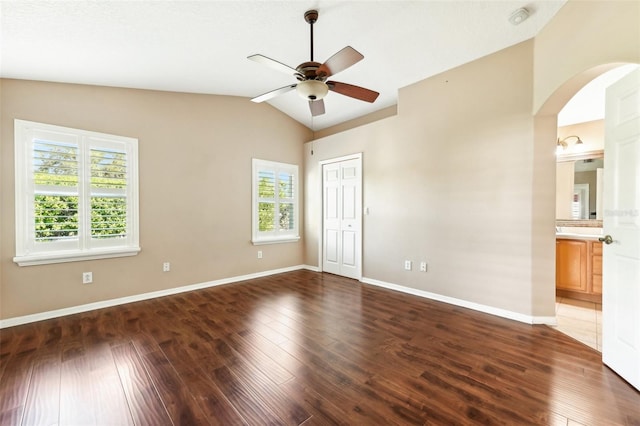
(342, 217)
(621, 251)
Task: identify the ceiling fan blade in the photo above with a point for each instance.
(339, 62)
(272, 63)
(316, 107)
(352, 91)
(272, 94)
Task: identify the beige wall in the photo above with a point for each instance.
(195, 189)
(583, 40)
(447, 181)
(474, 150)
(356, 122)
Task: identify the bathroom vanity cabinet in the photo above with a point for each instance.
(579, 269)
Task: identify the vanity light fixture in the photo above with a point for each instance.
(562, 144)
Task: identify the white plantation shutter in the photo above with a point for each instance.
(275, 202)
(55, 177)
(108, 191)
(286, 200)
(266, 200)
(76, 194)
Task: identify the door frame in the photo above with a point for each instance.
(356, 156)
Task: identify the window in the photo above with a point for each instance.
(275, 202)
(76, 194)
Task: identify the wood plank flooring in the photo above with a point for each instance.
(302, 348)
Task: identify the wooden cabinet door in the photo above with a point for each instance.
(571, 265)
(596, 268)
(597, 284)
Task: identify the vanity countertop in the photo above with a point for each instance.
(578, 233)
(572, 236)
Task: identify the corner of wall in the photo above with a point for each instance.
(583, 40)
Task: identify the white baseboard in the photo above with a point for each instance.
(545, 320)
(528, 319)
(11, 322)
(312, 268)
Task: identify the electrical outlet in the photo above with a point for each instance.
(87, 277)
(259, 254)
(166, 267)
(407, 265)
(423, 266)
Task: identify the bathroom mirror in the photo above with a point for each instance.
(579, 185)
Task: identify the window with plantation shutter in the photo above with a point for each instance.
(76, 194)
(275, 202)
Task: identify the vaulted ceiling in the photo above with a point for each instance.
(202, 46)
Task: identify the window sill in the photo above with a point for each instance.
(275, 240)
(75, 256)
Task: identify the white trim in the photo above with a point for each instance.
(545, 320)
(341, 159)
(528, 319)
(263, 241)
(276, 236)
(311, 268)
(12, 322)
(62, 257)
(83, 246)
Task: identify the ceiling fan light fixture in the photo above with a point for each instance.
(312, 90)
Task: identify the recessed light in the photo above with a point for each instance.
(519, 16)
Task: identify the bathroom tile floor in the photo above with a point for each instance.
(580, 320)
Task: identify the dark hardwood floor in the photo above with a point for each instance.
(302, 348)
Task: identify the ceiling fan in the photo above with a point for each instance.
(312, 76)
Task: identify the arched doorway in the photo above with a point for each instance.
(579, 210)
(621, 261)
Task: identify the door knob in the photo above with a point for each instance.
(606, 239)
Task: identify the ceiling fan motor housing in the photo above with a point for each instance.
(307, 71)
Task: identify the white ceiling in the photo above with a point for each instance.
(202, 46)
